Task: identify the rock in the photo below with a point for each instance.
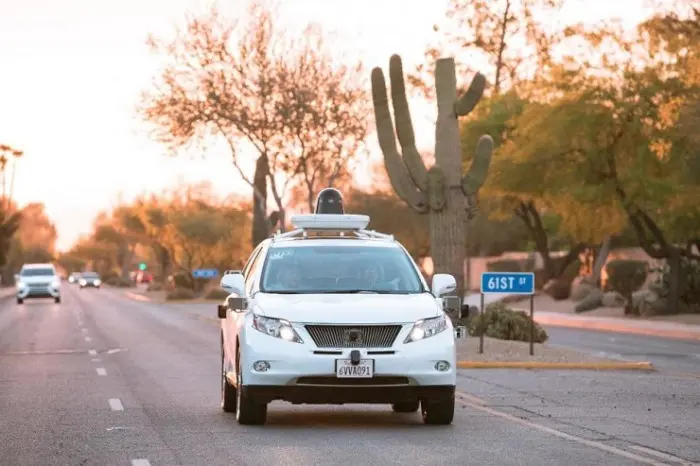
(558, 289)
(581, 290)
(613, 299)
(593, 301)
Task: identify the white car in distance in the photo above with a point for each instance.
(331, 313)
(38, 281)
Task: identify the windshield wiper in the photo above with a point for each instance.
(356, 291)
(283, 292)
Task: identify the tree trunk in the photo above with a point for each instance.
(600, 261)
(260, 222)
(447, 244)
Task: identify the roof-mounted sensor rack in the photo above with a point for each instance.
(332, 225)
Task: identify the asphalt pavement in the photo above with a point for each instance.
(101, 379)
(667, 354)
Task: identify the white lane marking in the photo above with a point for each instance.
(92, 352)
(88, 339)
(471, 398)
(113, 351)
(116, 404)
(95, 359)
(140, 462)
(84, 330)
(101, 371)
(660, 454)
(563, 435)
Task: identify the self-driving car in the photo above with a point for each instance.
(332, 313)
(38, 281)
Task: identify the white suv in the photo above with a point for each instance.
(38, 280)
(330, 314)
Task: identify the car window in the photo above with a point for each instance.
(338, 269)
(251, 259)
(37, 272)
(250, 277)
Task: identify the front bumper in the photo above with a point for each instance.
(38, 291)
(304, 373)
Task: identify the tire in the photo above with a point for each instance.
(20, 301)
(248, 413)
(57, 300)
(440, 413)
(228, 391)
(409, 407)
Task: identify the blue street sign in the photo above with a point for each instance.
(508, 283)
(205, 273)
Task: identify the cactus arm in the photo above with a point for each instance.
(469, 99)
(404, 126)
(479, 169)
(398, 173)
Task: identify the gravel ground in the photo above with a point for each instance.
(519, 351)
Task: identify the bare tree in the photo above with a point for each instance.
(259, 91)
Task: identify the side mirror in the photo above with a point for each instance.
(233, 282)
(443, 284)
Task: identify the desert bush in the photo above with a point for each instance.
(626, 276)
(558, 289)
(689, 286)
(119, 282)
(179, 293)
(504, 265)
(155, 286)
(500, 321)
(216, 293)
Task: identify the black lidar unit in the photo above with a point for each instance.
(329, 201)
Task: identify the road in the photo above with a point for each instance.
(104, 380)
(670, 355)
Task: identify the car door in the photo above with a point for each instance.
(232, 318)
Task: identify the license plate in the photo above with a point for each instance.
(344, 369)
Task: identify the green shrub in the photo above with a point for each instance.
(689, 286)
(179, 293)
(626, 277)
(499, 321)
(504, 265)
(216, 293)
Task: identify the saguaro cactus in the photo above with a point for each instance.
(443, 192)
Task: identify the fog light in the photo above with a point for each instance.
(261, 366)
(442, 366)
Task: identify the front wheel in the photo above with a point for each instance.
(439, 413)
(247, 411)
(20, 301)
(57, 299)
(228, 391)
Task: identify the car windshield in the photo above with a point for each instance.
(339, 269)
(90, 275)
(37, 272)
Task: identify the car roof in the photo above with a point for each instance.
(313, 242)
(38, 266)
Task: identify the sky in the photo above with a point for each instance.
(71, 73)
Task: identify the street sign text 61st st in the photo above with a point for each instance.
(205, 273)
(508, 283)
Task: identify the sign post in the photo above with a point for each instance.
(205, 273)
(509, 283)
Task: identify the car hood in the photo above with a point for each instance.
(348, 308)
(37, 280)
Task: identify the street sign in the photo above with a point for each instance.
(508, 283)
(205, 273)
(142, 266)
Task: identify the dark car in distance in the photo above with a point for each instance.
(89, 279)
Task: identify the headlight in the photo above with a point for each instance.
(55, 284)
(427, 328)
(97, 282)
(21, 285)
(278, 328)
(83, 282)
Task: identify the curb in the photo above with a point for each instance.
(617, 327)
(137, 297)
(596, 366)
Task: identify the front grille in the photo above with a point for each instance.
(353, 336)
(38, 286)
(376, 380)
